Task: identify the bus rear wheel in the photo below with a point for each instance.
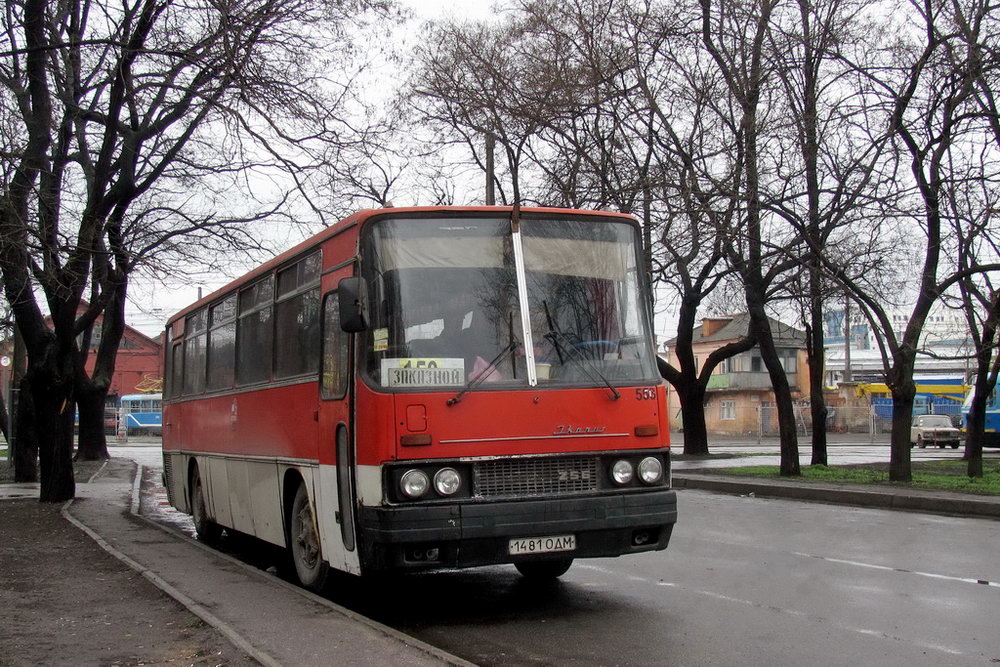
(544, 569)
(206, 529)
(307, 557)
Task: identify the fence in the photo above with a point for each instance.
(110, 420)
(761, 421)
(921, 406)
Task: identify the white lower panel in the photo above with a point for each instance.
(177, 463)
(265, 501)
(247, 495)
(239, 496)
(215, 478)
(328, 507)
(369, 482)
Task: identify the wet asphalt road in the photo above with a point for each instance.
(746, 581)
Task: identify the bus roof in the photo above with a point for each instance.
(141, 397)
(360, 218)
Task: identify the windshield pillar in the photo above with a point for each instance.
(522, 296)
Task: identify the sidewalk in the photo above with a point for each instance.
(920, 500)
(269, 619)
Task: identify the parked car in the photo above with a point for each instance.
(934, 430)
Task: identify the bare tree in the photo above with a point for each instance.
(979, 28)
(823, 181)
(735, 35)
(929, 81)
(980, 302)
(508, 81)
(697, 208)
(128, 125)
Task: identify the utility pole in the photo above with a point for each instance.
(847, 339)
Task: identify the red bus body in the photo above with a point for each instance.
(534, 461)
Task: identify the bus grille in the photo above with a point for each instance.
(550, 476)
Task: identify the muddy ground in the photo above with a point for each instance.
(65, 601)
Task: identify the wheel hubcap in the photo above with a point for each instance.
(305, 538)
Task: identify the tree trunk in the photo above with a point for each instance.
(817, 401)
(974, 432)
(977, 408)
(53, 406)
(25, 443)
(692, 400)
(47, 399)
(92, 392)
(4, 418)
(900, 381)
(92, 444)
(782, 392)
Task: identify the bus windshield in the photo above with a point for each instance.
(445, 309)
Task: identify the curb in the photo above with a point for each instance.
(974, 506)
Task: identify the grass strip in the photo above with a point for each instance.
(937, 475)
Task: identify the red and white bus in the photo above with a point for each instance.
(421, 388)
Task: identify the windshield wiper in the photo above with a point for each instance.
(554, 335)
(481, 376)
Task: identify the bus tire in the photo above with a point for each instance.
(206, 529)
(543, 569)
(304, 542)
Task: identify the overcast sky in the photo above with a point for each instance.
(465, 9)
(150, 304)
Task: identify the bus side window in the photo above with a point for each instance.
(335, 357)
(176, 372)
(255, 333)
(195, 352)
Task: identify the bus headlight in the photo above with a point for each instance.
(414, 483)
(447, 481)
(650, 470)
(621, 472)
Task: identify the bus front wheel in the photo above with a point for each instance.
(544, 569)
(307, 556)
(206, 529)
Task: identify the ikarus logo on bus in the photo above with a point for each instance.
(569, 429)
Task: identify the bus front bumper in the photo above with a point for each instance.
(480, 533)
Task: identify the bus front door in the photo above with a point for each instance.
(336, 492)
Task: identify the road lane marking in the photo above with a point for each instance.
(814, 618)
(887, 568)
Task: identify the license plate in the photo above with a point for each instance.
(541, 545)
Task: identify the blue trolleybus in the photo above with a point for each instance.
(991, 430)
(142, 414)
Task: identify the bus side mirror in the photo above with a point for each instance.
(351, 301)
